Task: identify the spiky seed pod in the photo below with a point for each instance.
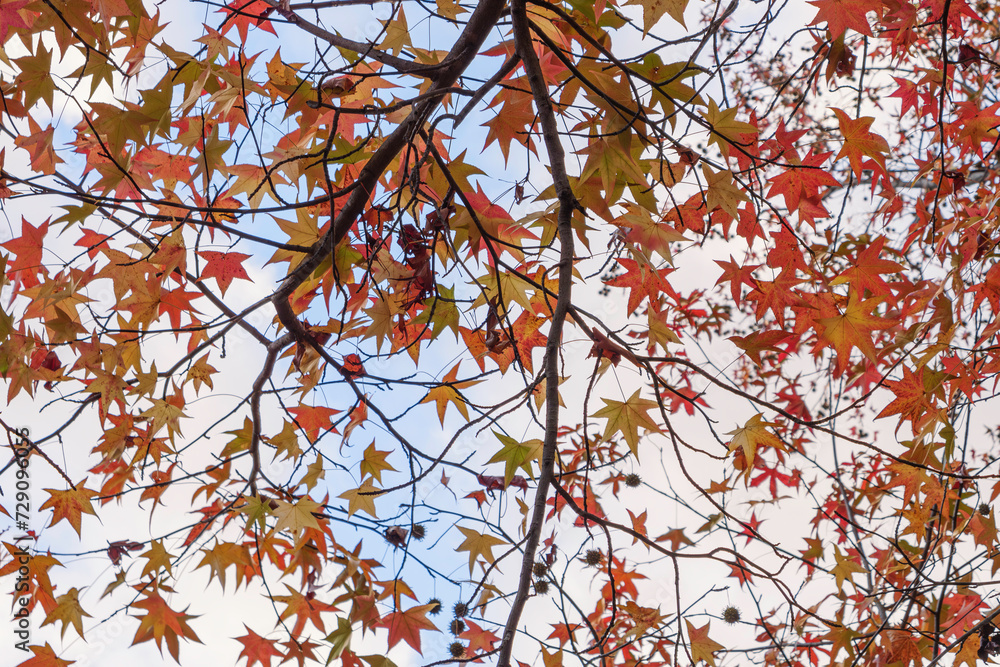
(731, 615)
(461, 610)
(593, 557)
(457, 627)
(457, 649)
(539, 569)
(984, 509)
(435, 606)
(542, 586)
(418, 532)
(632, 480)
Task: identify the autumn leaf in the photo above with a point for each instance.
(477, 545)
(161, 623)
(45, 656)
(852, 328)
(844, 568)
(726, 131)
(68, 612)
(860, 141)
(70, 505)
(840, 15)
(361, 498)
(722, 191)
(653, 11)
(313, 419)
(752, 436)
(702, 647)
(304, 607)
(516, 455)
(374, 463)
(296, 516)
(407, 625)
(225, 267)
(257, 649)
(626, 417)
(448, 392)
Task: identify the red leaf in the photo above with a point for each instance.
(406, 625)
(225, 267)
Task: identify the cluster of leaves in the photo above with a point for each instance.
(416, 370)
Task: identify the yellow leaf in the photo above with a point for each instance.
(626, 417)
(478, 545)
(362, 498)
(68, 611)
(653, 11)
(726, 130)
(722, 192)
(700, 645)
(314, 472)
(752, 435)
(157, 558)
(295, 517)
(374, 463)
(447, 392)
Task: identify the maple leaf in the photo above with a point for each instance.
(864, 272)
(225, 267)
(374, 463)
(14, 16)
(257, 649)
(68, 611)
(845, 568)
(626, 417)
(406, 625)
(311, 419)
(653, 11)
(759, 341)
(722, 192)
(38, 143)
(643, 281)
(860, 141)
(700, 644)
(516, 455)
(648, 235)
(447, 392)
(70, 505)
(843, 14)
(45, 656)
(296, 516)
(752, 436)
(676, 538)
(361, 498)
(477, 545)
(162, 623)
(726, 131)
(27, 249)
(853, 328)
(911, 400)
(303, 608)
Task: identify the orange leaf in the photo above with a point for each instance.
(257, 649)
(406, 625)
(70, 505)
(45, 656)
(162, 623)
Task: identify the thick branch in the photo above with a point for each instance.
(567, 203)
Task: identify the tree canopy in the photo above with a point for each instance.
(606, 333)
